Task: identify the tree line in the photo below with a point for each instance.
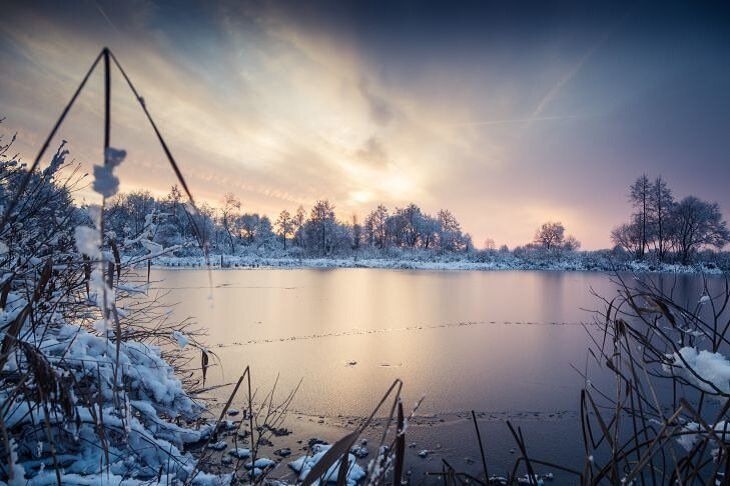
(660, 228)
(667, 229)
(318, 231)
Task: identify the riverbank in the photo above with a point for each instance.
(578, 263)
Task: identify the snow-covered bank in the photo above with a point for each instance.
(94, 382)
(450, 262)
(139, 440)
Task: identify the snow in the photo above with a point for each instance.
(305, 464)
(182, 339)
(707, 367)
(105, 182)
(152, 247)
(218, 446)
(360, 451)
(240, 453)
(88, 242)
(18, 471)
(692, 432)
(687, 440)
(117, 411)
(261, 463)
(151, 389)
(418, 261)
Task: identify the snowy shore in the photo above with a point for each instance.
(578, 263)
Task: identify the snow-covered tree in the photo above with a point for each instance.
(356, 233)
(285, 226)
(450, 235)
(299, 219)
(376, 227)
(229, 214)
(319, 230)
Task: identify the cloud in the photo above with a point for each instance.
(373, 152)
(571, 73)
(381, 110)
(286, 105)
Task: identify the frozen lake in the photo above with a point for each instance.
(501, 343)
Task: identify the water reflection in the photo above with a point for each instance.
(516, 354)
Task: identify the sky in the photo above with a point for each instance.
(507, 113)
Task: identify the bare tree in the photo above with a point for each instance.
(571, 243)
(639, 193)
(697, 224)
(628, 237)
(550, 235)
(660, 206)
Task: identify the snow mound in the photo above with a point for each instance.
(305, 464)
(691, 433)
(706, 370)
(240, 453)
(261, 463)
(136, 413)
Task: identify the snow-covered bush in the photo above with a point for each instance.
(89, 389)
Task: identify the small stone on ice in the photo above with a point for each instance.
(285, 452)
(359, 452)
(423, 453)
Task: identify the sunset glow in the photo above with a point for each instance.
(506, 123)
